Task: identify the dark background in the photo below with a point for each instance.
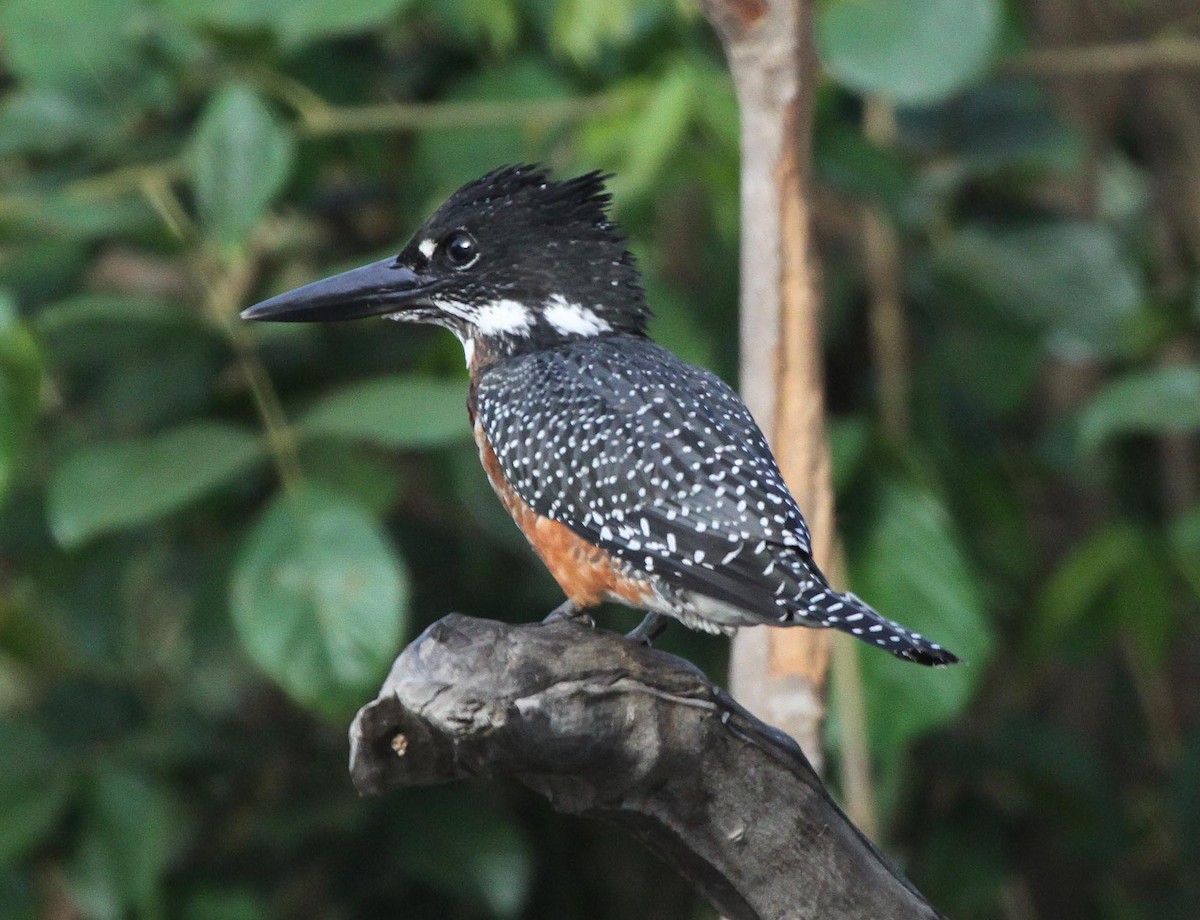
(214, 538)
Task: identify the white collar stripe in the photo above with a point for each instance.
(573, 319)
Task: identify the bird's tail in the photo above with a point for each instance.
(848, 613)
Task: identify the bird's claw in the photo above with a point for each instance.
(649, 629)
(569, 610)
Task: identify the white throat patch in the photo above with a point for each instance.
(503, 317)
(573, 319)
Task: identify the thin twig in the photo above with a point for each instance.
(127, 179)
(1158, 706)
(156, 189)
(885, 281)
(319, 118)
(230, 291)
(397, 116)
(1117, 58)
(227, 284)
(308, 104)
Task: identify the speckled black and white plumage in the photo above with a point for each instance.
(661, 465)
(635, 476)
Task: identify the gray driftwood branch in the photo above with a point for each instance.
(605, 727)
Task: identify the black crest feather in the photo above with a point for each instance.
(582, 201)
(542, 238)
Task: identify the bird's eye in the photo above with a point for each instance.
(460, 248)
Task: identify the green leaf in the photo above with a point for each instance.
(849, 445)
(68, 41)
(229, 14)
(995, 366)
(125, 845)
(462, 844)
(44, 119)
(367, 478)
(397, 412)
(643, 138)
(68, 217)
(656, 134)
(320, 599)
(241, 156)
(994, 129)
(129, 346)
(294, 21)
(218, 904)
(496, 23)
(34, 790)
(19, 897)
(1081, 580)
(1115, 581)
(312, 20)
(1165, 399)
(1184, 538)
(674, 322)
(448, 157)
(913, 51)
(43, 269)
(853, 165)
(966, 888)
(1144, 608)
(582, 28)
(109, 486)
(20, 380)
(1072, 280)
(80, 314)
(912, 570)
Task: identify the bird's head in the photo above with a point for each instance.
(513, 259)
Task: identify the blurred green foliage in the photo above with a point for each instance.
(214, 538)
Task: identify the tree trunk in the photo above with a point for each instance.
(780, 674)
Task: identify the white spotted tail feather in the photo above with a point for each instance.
(660, 464)
(848, 613)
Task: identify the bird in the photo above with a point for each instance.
(636, 477)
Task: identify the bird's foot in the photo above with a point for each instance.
(649, 629)
(569, 610)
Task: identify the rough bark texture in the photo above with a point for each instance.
(605, 727)
(781, 674)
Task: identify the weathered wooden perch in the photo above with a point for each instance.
(605, 727)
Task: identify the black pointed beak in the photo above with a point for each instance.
(375, 289)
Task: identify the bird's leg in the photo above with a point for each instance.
(649, 629)
(569, 610)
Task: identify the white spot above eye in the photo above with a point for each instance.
(573, 319)
(503, 317)
(427, 248)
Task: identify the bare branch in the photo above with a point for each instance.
(1123, 58)
(607, 728)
